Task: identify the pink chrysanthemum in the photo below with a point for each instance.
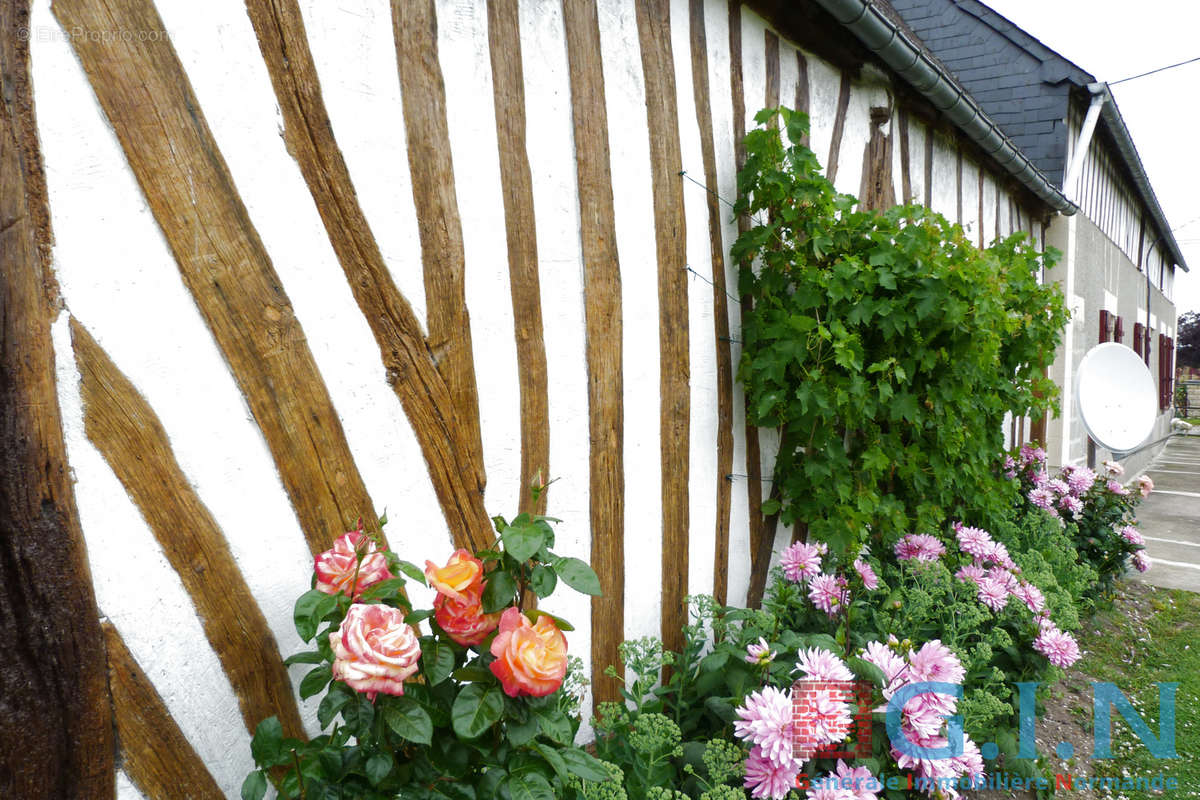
(973, 541)
(768, 778)
(1058, 486)
(935, 662)
(827, 593)
(760, 653)
(765, 720)
(890, 662)
(926, 713)
(1010, 467)
(1116, 488)
(1071, 503)
(1031, 596)
(1114, 468)
(1059, 648)
(1131, 535)
(826, 718)
(1141, 561)
(996, 553)
(970, 763)
(1145, 485)
(971, 572)
(801, 562)
(1032, 455)
(1042, 498)
(857, 781)
(1003, 577)
(866, 574)
(1080, 480)
(993, 594)
(919, 547)
(821, 665)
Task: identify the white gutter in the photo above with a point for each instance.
(1081, 144)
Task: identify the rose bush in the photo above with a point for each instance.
(474, 708)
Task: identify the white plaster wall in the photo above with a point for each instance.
(121, 281)
(633, 208)
(916, 159)
(467, 72)
(551, 145)
(702, 442)
(970, 194)
(945, 179)
(716, 20)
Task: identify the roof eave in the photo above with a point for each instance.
(938, 86)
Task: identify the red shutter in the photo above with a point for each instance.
(1162, 372)
(1138, 337)
(1103, 326)
(1118, 330)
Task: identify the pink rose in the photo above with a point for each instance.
(374, 650)
(338, 567)
(464, 620)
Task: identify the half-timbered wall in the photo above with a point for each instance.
(322, 259)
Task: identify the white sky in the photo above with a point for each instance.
(1114, 39)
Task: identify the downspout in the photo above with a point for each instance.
(1085, 139)
(894, 48)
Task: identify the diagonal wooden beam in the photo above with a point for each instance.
(449, 442)
(55, 720)
(155, 754)
(658, 67)
(700, 91)
(148, 100)
(423, 94)
(508, 88)
(602, 312)
(127, 432)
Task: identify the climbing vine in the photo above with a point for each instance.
(884, 347)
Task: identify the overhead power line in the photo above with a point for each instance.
(1153, 71)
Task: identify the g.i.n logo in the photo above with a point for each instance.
(1105, 697)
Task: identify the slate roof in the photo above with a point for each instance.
(1021, 84)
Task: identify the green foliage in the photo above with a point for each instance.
(884, 346)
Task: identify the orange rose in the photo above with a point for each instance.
(462, 573)
(530, 659)
(464, 620)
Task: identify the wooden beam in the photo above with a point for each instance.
(451, 455)
(604, 345)
(958, 179)
(658, 67)
(738, 97)
(839, 125)
(127, 432)
(802, 93)
(146, 95)
(423, 95)
(905, 160)
(508, 88)
(876, 188)
(56, 736)
(155, 754)
(771, 60)
(980, 198)
(703, 101)
(929, 134)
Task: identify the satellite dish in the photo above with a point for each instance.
(1118, 401)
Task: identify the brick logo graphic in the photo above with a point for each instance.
(831, 719)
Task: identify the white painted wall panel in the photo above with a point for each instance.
(702, 442)
(716, 14)
(551, 144)
(470, 110)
